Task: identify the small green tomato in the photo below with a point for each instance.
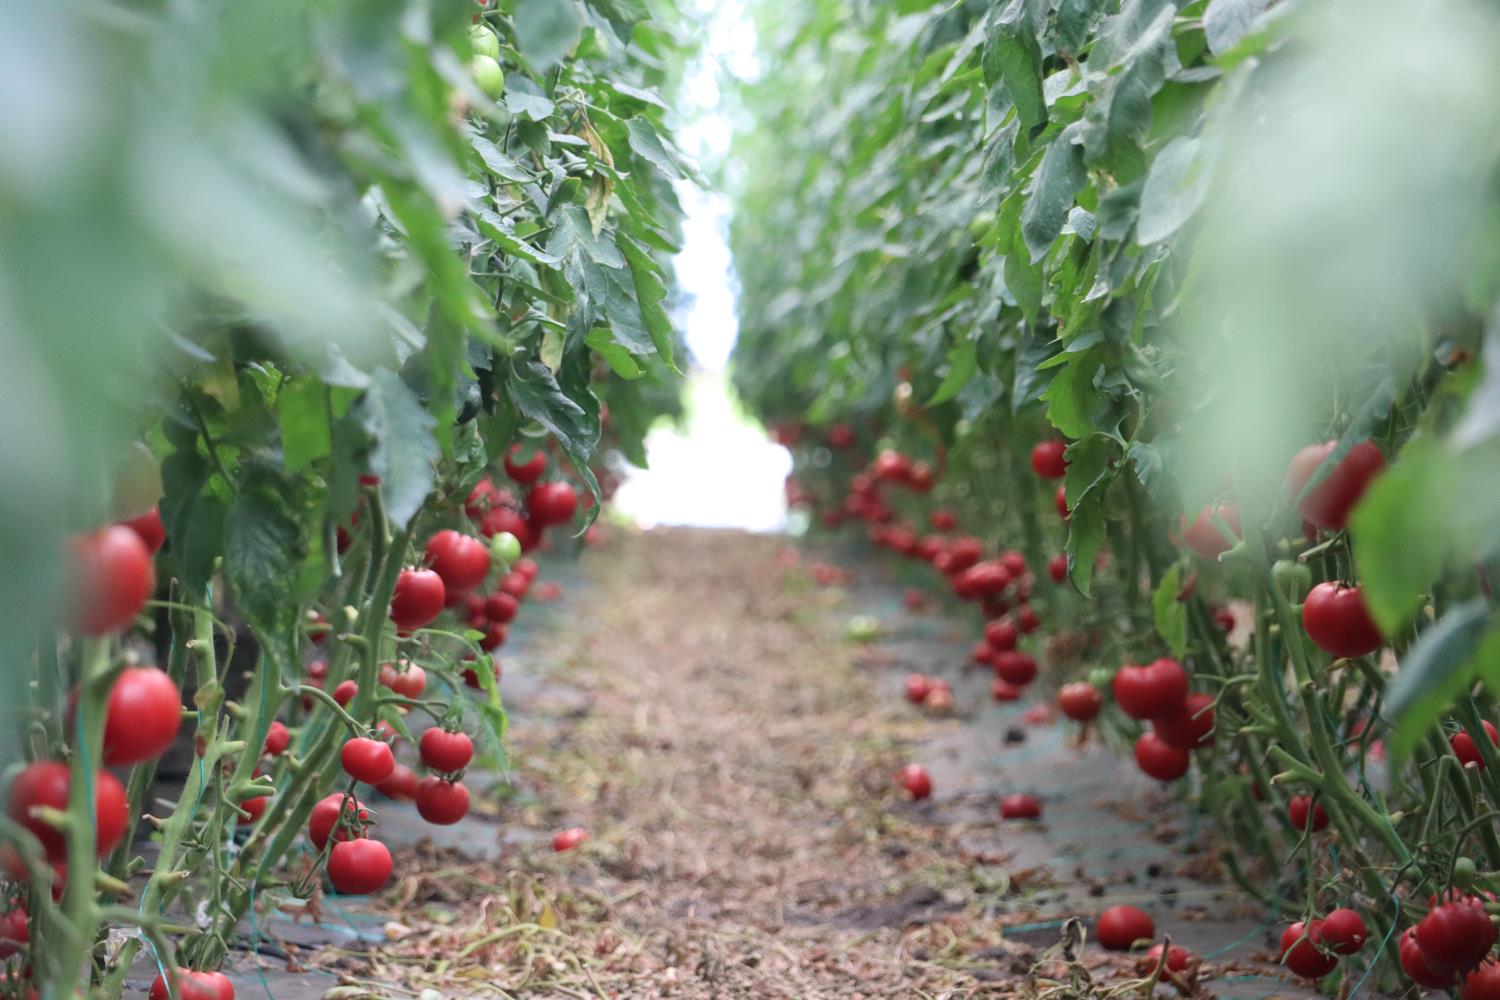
(483, 41)
(488, 75)
(506, 548)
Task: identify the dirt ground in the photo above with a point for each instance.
(732, 754)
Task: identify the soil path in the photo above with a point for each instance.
(694, 703)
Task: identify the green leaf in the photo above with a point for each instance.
(263, 548)
(302, 408)
(496, 162)
(502, 233)
(1175, 187)
(1402, 536)
(1013, 56)
(1227, 21)
(404, 448)
(1120, 117)
(1070, 397)
(1075, 20)
(647, 144)
(1057, 183)
(1086, 534)
(619, 358)
(1023, 278)
(650, 295)
(1169, 613)
(1089, 464)
(546, 30)
(193, 515)
(1438, 668)
(962, 360)
(535, 391)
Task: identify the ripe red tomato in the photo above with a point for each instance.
(1120, 927)
(190, 986)
(964, 552)
(325, 816)
(1467, 750)
(522, 469)
(1337, 619)
(527, 567)
(566, 840)
(1047, 459)
(401, 785)
(1300, 953)
(1306, 814)
(112, 580)
(1020, 807)
(367, 760)
(943, 520)
(1482, 984)
(482, 498)
(1002, 690)
(15, 931)
(915, 779)
(1160, 759)
(442, 803)
(444, 751)
(890, 466)
(1001, 635)
(1015, 667)
(1329, 503)
(516, 585)
(1192, 727)
(1224, 619)
(1057, 568)
(493, 638)
(1414, 964)
(148, 528)
(46, 783)
(1203, 536)
(278, 738)
(1157, 690)
(142, 718)
(1027, 619)
(418, 599)
(939, 700)
(1014, 563)
(409, 683)
(503, 519)
(359, 867)
(346, 692)
(501, 607)
(463, 562)
(253, 810)
(921, 477)
(1456, 936)
(917, 688)
(1060, 501)
(552, 503)
(1079, 701)
(1344, 931)
(1178, 959)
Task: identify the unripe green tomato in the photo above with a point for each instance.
(1101, 678)
(506, 548)
(863, 628)
(483, 41)
(1293, 579)
(1464, 873)
(489, 75)
(981, 224)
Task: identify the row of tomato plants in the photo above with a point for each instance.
(1281, 712)
(317, 450)
(412, 626)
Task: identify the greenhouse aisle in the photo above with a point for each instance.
(730, 750)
